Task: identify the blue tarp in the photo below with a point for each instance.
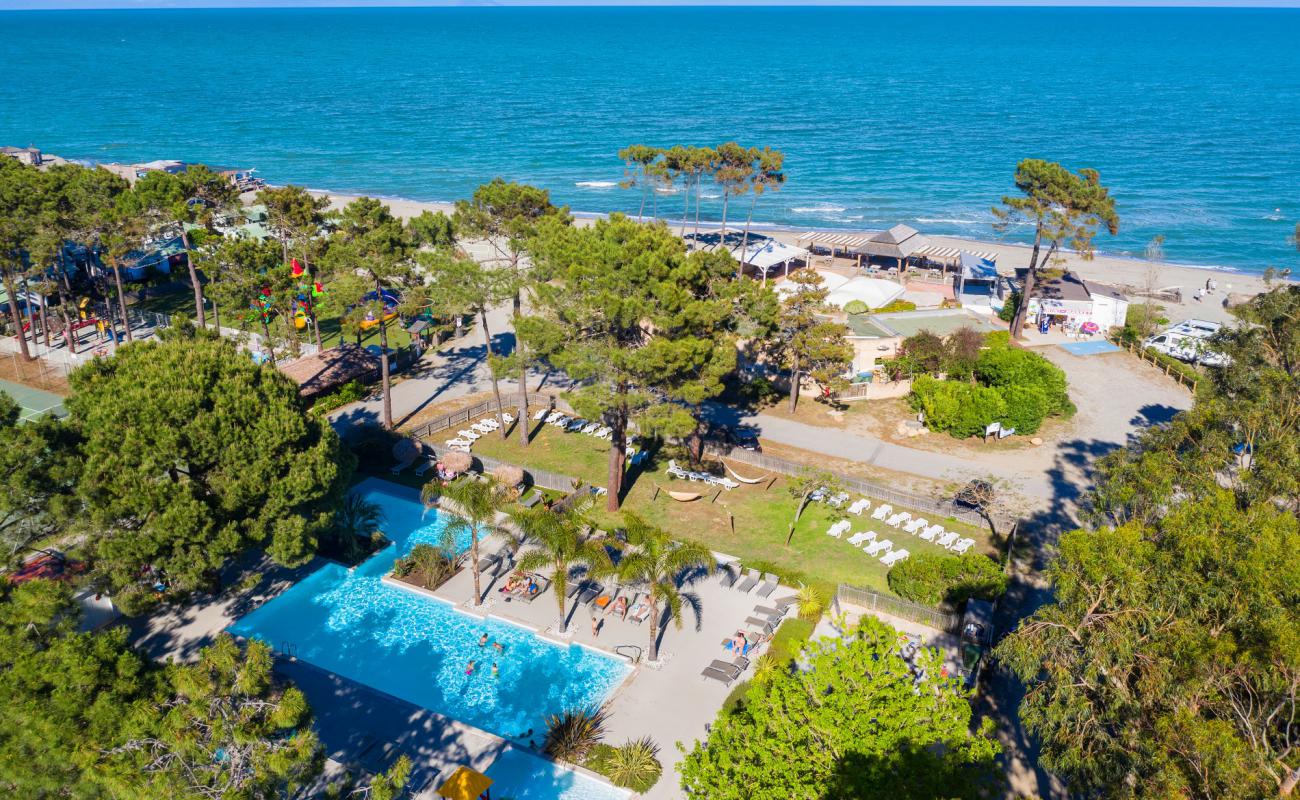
(974, 268)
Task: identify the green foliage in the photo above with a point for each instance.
(856, 307)
(959, 408)
(1003, 367)
(1141, 321)
(1168, 657)
(1009, 308)
(431, 566)
(633, 765)
(1026, 407)
(193, 454)
(559, 540)
(475, 506)
(854, 723)
(808, 343)
(812, 602)
(348, 393)
(934, 578)
(572, 734)
(663, 567)
(39, 468)
(648, 331)
(896, 305)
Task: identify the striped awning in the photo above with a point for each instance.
(940, 253)
(836, 240)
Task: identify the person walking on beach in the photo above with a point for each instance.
(595, 626)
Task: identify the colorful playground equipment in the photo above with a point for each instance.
(390, 309)
(309, 293)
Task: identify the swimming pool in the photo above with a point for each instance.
(521, 776)
(416, 648)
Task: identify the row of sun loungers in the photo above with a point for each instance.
(762, 625)
(903, 520)
(674, 470)
(573, 424)
(765, 583)
(465, 438)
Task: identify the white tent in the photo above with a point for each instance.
(876, 293)
(766, 254)
(830, 282)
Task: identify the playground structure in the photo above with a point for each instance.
(390, 302)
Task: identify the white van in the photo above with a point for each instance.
(1189, 341)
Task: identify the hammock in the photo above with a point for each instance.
(683, 497)
(742, 478)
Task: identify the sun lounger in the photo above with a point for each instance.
(730, 572)
(929, 533)
(507, 418)
(724, 678)
(763, 624)
(894, 556)
(770, 583)
(541, 415)
(639, 612)
(947, 539)
(589, 594)
(898, 519)
(838, 499)
(771, 613)
(603, 432)
(916, 525)
(558, 421)
(862, 536)
(839, 528)
(460, 444)
(882, 511)
(590, 428)
(640, 456)
(576, 425)
(424, 467)
(962, 545)
(676, 471)
(859, 505)
(878, 547)
(742, 662)
(750, 581)
(488, 561)
(727, 667)
(471, 435)
(785, 603)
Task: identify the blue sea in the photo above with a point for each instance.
(886, 115)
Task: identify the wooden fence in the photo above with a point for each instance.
(947, 620)
(917, 502)
(1149, 357)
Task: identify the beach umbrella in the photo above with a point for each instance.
(508, 475)
(457, 461)
(465, 784)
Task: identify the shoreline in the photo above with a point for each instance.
(1128, 274)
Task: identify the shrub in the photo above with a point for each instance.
(1001, 367)
(634, 765)
(997, 339)
(350, 392)
(1027, 406)
(961, 409)
(570, 736)
(430, 565)
(1010, 307)
(855, 307)
(812, 603)
(933, 578)
(897, 305)
(924, 352)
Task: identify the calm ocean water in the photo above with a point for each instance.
(886, 115)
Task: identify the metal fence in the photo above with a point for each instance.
(913, 501)
(942, 619)
(454, 418)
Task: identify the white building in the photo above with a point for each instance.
(1071, 301)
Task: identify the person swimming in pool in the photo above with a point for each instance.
(499, 647)
(496, 671)
(469, 668)
(483, 640)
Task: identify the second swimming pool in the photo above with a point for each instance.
(417, 649)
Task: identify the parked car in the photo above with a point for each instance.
(737, 437)
(1189, 341)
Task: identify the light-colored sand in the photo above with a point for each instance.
(1129, 275)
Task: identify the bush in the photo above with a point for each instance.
(934, 578)
(897, 305)
(1003, 367)
(855, 307)
(350, 392)
(1010, 307)
(1027, 406)
(570, 736)
(958, 408)
(635, 765)
(997, 339)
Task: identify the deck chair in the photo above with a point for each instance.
(882, 511)
(541, 415)
(723, 678)
(893, 557)
(770, 583)
(507, 417)
(750, 581)
(878, 547)
(947, 539)
(898, 519)
(771, 613)
(588, 595)
(929, 533)
(962, 545)
(727, 667)
(862, 537)
(730, 573)
(767, 626)
(915, 525)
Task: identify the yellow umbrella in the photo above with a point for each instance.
(465, 784)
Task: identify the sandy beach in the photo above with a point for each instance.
(1127, 274)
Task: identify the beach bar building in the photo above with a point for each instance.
(1071, 302)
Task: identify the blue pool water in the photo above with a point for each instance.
(886, 115)
(416, 648)
(521, 776)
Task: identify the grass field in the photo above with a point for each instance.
(761, 515)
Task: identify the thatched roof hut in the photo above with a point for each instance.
(508, 475)
(457, 461)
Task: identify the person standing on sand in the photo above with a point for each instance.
(595, 626)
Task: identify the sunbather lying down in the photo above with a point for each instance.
(741, 642)
(618, 607)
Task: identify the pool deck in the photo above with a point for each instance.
(364, 729)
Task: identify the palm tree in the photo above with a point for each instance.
(356, 519)
(559, 540)
(661, 564)
(474, 509)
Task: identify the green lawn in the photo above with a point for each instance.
(761, 515)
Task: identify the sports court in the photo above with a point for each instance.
(1090, 348)
(34, 402)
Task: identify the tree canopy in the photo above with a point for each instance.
(1169, 660)
(192, 454)
(807, 341)
(852, 721)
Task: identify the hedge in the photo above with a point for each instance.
(934, 578)
(962, 409)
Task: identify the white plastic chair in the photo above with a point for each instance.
(893, 557)
(506, 418)
(882, 511)
(962, 545)
(916, 525)
(898, 519)
(859, 506)
(948, 538)
(879, 546)
(471, 435)
(929, 533)
(541, 415)
(861, 537)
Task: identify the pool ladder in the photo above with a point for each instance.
(288, 648)
(634, 656)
